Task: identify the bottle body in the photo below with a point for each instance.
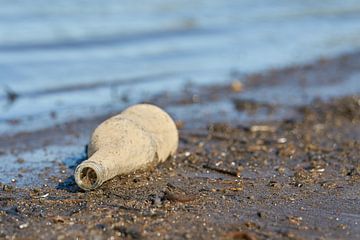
(140, 136)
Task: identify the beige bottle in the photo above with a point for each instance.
(140, 136)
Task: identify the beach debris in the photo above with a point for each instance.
(287, 150)
(262, 128)
(274, 184)
(141, 136)
(295, 220)
(11, 95)
(178, 197)
(237, 86)
(280, 169)
(252, 106)
(43, 196)
(24, 225)
(20, 160)
(281, 140)
(58, 219)
(6, 188)
(234, 173)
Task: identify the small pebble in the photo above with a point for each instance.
(282, 140)
(24, 225)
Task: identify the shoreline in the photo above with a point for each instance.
(298, 173)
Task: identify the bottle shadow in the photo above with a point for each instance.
(69, 184)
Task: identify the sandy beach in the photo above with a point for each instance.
(266, 167)
(265, 95)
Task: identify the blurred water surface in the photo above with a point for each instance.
(82, 58)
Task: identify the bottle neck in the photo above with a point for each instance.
(89, 175)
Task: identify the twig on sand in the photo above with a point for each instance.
(223, 171)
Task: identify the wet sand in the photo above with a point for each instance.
(290, 170)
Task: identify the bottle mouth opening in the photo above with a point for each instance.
(87, 176)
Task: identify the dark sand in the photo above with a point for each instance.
(297, 177)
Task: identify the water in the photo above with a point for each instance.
(108, 49)
(41, 166)
(82, 59)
